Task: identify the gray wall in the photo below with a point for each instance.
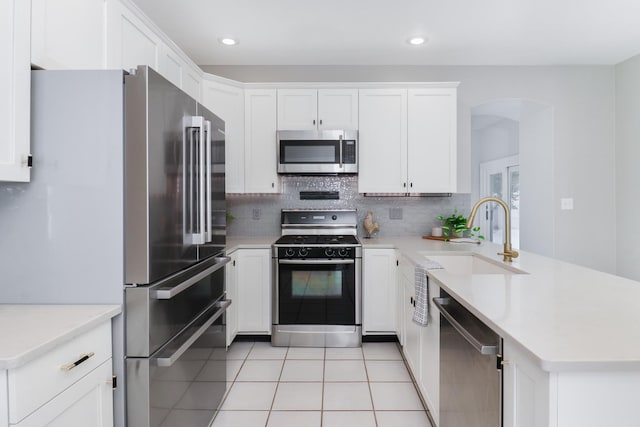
(627, 168)
(583, 160)
(418, 213)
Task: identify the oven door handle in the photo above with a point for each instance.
(175, 290)
(170, 360)
(316, 261)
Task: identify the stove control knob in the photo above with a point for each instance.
(289, 252)
(343, 252)
(334, 217)
(303, 252)
(330, 252)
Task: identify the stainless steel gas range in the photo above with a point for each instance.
(317, 296)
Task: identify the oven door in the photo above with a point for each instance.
(317, 292)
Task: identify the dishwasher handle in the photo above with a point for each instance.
(483, 348)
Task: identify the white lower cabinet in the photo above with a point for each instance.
(411, 346)
(48, 391)
(379, 284)
(525, 390)
(420, 344)
(429, 381)
(253, 279)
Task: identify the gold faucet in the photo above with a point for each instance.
(508, 253)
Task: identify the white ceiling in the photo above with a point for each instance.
(375, 32)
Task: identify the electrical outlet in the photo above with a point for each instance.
(395, 213)
(566, 204)
(256, 213)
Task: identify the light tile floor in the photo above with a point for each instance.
(317, 387)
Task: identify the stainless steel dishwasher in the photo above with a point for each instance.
(470, 368)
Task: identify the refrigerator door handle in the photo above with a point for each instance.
(170, 360)
(175, 290)
(197, 178)
(208, 189)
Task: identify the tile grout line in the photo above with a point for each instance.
(275, 393)
(366, 371)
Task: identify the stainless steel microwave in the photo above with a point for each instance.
(318, 152)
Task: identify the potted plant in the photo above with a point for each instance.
(455, 225)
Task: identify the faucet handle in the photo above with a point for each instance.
(509, 255)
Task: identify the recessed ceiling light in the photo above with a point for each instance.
(228, 41)
(416, 41)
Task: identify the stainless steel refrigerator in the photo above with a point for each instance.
(127, 206)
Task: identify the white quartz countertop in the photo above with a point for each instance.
(29, 331)
(566, 316)
(263, 242)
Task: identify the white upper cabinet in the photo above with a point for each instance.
(260, 163)
(130, 42)
(311, 109)
(15, 90)
(68, 34)
(177, 71)
(408, 140)
(383, 141)
(432, 143)
(227, 102)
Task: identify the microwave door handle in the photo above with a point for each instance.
(340, 142)
(208, 189)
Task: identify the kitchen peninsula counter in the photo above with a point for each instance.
(30, 331)
(567, 317)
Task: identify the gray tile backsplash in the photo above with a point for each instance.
(259, 215)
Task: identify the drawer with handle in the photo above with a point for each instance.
(33, 384)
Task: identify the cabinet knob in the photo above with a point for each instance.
(320, 121)
(404, 185)
(314, 121)
(411, 185)
(273, 185)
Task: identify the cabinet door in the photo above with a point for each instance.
(379, 284)
(68, 34)
(88, 402)
(432, 142)
(254, 291)
(297, 109)
(129, 41)
(338, 109)
(383, 141)
(261, 174)
(526, 396)
(227, 102)
(15, 90)
(429, 380)
(412, 331)
(231, 290)
(175, 69)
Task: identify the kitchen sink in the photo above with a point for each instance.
(472, 264)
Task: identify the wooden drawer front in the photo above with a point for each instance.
(33, 384)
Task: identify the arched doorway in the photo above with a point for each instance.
(512, 158)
